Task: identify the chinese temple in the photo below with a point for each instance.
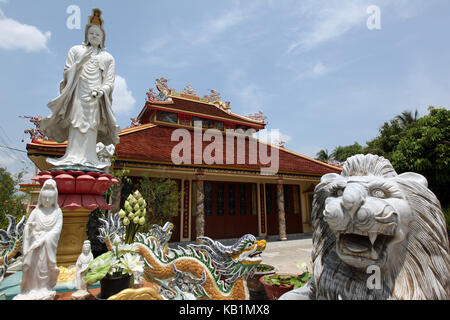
(218, 164)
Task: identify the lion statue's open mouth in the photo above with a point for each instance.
(363, 231)
(356, 248)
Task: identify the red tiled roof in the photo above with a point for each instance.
(152, 144)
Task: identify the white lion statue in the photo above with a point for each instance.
(371, 218)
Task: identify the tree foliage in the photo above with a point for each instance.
(323, 155)
(384, 144)
(163, 200)
(341, 153)
(425, 148)
(407, 117)
(10, 200)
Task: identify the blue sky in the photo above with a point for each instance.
(314, 68)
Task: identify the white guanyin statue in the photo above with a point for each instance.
(82, 263)
(82, 113)
(41, 236)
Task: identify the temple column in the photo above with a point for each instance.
(262, 228)
(185, 210)
(281, 213)
(200, 219)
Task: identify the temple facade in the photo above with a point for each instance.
(231, 183)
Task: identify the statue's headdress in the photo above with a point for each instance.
(95, 19)
(49, 184)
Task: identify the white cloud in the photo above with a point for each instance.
(123, 100)
(227, 20)
(210, 29)
(272, 136)
(19, 36)
(319, 69)
(314, 71)
(323, 22)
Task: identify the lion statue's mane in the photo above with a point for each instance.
(420, 268)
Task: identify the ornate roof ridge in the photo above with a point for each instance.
(166, 94)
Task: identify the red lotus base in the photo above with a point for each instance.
(79, 189)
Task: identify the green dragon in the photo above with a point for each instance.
(207, 270)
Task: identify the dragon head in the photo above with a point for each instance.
(235, 261)
(248, 250)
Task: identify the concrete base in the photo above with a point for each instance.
(72, 236)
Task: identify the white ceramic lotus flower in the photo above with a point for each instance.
(131, 263)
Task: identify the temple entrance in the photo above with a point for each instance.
(230, 209)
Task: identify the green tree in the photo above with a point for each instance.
(163, 200)
(323, 155)
(424, 148)
(406, 118)
(389, 135)
(10, 200)
(341, 153)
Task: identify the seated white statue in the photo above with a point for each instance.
(41, 236)
(82, 263)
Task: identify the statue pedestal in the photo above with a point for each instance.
(72, 236)
(79, 193)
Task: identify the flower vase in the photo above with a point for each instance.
(110, 286)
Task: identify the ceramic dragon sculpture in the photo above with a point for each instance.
(11, 242)
(207, 270)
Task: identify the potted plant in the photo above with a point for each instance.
(277, 284)
(115, 268)
(255, 287)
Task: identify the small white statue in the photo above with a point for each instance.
(41, 236)
(82, 113)
(82, 263)
(104, 153)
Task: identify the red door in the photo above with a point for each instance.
(271, 209)
(229, 210)
(292, 209)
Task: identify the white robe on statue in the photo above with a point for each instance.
(77, 116)
(39, 269)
